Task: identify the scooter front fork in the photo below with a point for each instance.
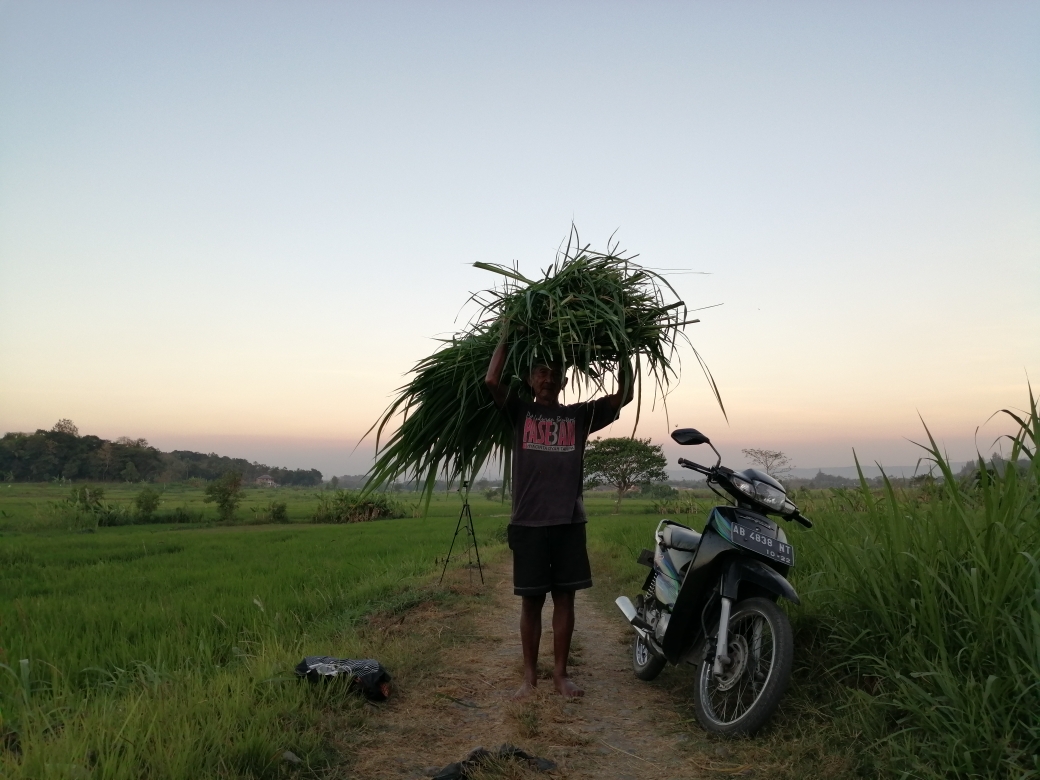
(721, 648)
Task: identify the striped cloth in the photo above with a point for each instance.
(365, 674)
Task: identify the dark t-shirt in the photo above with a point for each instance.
(548, 449)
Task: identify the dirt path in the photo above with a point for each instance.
(622, 729)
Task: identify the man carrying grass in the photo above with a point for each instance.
(547, 525)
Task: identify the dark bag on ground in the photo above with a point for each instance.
(366, 675)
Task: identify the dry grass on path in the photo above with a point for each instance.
(621, 729)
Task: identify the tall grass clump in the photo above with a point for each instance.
(86, 508)
(933, 615)
(272, 512)
(595, 312)
(353, 506)
(684, 503)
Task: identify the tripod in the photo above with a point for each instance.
(467, 515)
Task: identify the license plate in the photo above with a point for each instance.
(756, 541)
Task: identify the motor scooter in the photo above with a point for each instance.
(710, 598)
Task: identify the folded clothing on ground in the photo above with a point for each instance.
(365, 675)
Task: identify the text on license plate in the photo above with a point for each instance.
(756, 541)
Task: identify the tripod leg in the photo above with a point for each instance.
(458, 525)
(475, 548)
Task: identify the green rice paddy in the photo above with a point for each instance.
(166, 651)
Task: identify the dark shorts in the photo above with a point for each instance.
(549, 558)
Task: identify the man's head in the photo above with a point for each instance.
(546, 380)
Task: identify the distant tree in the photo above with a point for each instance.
(66, 426)
(42, 455)
(657, 491)
(226, 493)
(46, 455)
(334, 483)
(822, 480)
(623, 463)
(772, 462)
(126, 441)
(921, 480)
(130, 473)
(147, 501)
(279, 512)
(105, 457)
(71, 469)
(302, 477)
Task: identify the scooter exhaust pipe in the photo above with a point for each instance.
(626, 606)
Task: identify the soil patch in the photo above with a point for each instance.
(622, 728)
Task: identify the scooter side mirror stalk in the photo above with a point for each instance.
(718, 462)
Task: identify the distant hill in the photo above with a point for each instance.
(350, 481)
(870, 471)
(62, 453)
(357, 481)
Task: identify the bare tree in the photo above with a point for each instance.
(772, 462)
(105, 457)
(64, 425)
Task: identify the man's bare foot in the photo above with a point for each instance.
(527, 689)
(566, 687)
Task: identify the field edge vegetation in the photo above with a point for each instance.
(918, 641)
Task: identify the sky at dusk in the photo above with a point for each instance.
(235, 226)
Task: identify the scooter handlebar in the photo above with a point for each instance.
(687, 464)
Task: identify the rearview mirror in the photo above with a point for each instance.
(689, 436)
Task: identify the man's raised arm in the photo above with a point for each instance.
(493, 380)
(626, 384)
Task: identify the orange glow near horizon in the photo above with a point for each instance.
(213, 246)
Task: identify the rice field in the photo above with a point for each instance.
(165, 651)
(38, 507)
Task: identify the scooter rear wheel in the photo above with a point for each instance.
(645, 664)
(761, 652)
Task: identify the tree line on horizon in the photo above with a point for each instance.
(61, 453)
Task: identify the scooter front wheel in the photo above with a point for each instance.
(645, 664)
(761, 653)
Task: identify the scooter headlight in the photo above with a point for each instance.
(770, 496)
(743, 486)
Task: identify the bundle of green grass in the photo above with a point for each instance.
(591, 311)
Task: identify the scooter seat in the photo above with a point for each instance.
(679, 537)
